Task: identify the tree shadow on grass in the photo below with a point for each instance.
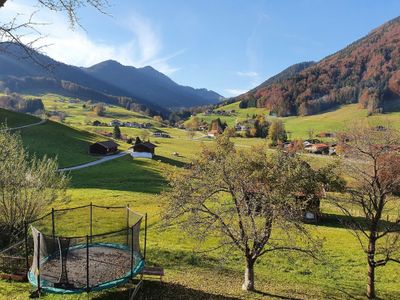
(275, 296)
(171, 259)
(122, 174)
(340, 221)
(170, 161)
(162, 290)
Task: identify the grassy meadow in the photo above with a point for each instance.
(299, 127)
(78, 115)
(191, 272)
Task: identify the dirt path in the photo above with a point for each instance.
(42, 121)
(96, 162)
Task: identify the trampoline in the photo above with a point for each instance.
(86, 249)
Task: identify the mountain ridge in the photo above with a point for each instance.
(15, 63)
(148, 82)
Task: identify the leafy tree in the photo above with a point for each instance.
(243, 104)
(27, 186)
(99, 109)
(193, 123)
(145, 134)
(158, 119)
(262, 127)
(277, 132)
(244, 199)
(117, 132)
(218, 125)
(373, 164)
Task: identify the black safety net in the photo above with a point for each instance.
(85, 248)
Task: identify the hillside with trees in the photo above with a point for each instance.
(366, 72)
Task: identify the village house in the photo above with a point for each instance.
(161, 134)
(103, 148)
(147, 125)
(318, 148)
(240, 127)
(132, 124)
(116, 123)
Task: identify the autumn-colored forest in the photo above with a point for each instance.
(366, 72)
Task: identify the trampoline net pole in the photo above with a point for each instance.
(132, 249)
(26, 247)
(127, 224)
(53, 231)
(87, 265)
(91, 221)
(38, 261)
(145, 236)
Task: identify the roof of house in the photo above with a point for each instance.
(146, 144)
(320, 145)
(107, 144)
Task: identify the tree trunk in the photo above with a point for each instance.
(371, 267)
(248, 284)
(371, 282)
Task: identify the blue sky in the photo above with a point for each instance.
(228, 46)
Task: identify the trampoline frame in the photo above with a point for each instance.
(136, 269)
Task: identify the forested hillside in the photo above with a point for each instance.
(367, 72)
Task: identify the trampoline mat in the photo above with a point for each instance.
(106, 263)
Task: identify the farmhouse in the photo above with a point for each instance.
(318, 149)
(103, 148)
(143, 149)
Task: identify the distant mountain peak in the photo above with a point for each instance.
(147, 85)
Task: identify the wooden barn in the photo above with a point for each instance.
(143, 149)
(103, 148)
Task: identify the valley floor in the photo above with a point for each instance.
(192, 273)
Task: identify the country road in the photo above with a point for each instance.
(96, 162)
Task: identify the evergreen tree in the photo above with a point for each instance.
(116, 132)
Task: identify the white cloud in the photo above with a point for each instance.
(235, 92)
(78, 48)
(247, 74)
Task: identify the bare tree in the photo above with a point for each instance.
(373, 163)
(16, 30)
(247, 200)
(27, 186)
